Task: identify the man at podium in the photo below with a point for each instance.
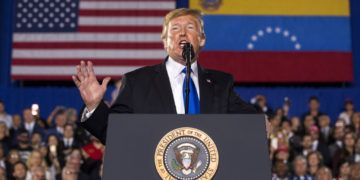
(160, 88)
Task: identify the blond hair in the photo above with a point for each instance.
(182, 12)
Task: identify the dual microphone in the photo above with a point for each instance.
(188, 52)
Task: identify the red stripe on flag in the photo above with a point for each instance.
(96, 62)
(119, 29)
(86, 12)
(87, 45)
(279, 67)
(55, 77)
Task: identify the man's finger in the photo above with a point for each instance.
(76, 81)
(105, 82)
(84, 69)
(80, 76)
(90, 68)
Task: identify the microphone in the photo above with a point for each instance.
(188, 52)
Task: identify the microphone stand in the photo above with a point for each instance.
(187, 55)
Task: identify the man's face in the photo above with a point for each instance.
(300, 167)
(68, 132)
(324, 121)
(181, 30)
(314, 105)
(28, 117)
(307, 142)
(60, 120)
(19, 171)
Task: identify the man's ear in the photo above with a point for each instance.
(202, 40)
(164, 43)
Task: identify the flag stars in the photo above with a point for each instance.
(269, 30)
(278, 31)
(254, 38)
(46, 15)
(286, 33)
(250, 46)
(260, 33)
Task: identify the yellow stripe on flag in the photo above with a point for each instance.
(278, 7)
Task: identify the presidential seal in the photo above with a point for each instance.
(186, 154)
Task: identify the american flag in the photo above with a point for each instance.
(52, 36)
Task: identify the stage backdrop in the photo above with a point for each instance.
(255, 40)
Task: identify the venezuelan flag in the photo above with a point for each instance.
(278, 40)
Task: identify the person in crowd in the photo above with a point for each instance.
(345, 153)
(36, 160)
(36, 140)
(23, 145)
(5, 140)
(356, 156)
(2, 158)
(50, 121)
(325, 128)
(308, 122)
(38, 173)
(19, 171)
(306, 146)
(93, 155)
(314, 109)
(4, 116)
(16, 125)
(337, 140)
(260, 103)
(296, 138)
(72, 169)
(300, 169)
(69, 140)
(30, 123)
(355, 124)
(280, 170)
(12, 157)
(349, 110)
(344, 171)
(315, 162)
(60, 121)
(55, 150)
(323, 173)
(355, 171)
(3, 175)
(319, 145)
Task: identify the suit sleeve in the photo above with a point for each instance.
(97, 123)
(236, 105)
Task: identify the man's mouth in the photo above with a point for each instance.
(182, 43)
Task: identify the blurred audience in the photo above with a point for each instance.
(310, 146)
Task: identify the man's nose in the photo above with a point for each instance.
(182, 31)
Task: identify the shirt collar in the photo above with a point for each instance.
(174, 68)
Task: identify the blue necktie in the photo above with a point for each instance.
(194, 103)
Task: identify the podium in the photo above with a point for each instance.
(169, 146)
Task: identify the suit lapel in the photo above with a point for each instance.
(163, 86)
(206, 86)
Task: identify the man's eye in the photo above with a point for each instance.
(191, 27)
(175, 28)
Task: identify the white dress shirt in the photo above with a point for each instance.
(176, 77)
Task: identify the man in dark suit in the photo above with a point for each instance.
(159, 88)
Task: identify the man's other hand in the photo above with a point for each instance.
(90, 90)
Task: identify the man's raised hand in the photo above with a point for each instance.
(90, 90)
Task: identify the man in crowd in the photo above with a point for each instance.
(159, 88)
